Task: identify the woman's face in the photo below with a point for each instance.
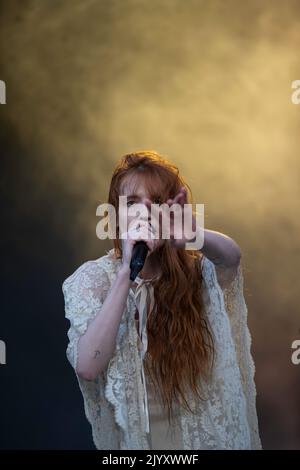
(136, 193)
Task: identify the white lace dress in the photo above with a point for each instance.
(161, 434)
(120, 404)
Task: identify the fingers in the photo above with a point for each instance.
(180, 198)
(142, 230)
(148, 203)
(151, 230)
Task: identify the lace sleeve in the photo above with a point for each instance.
(238, 313)
(84, 293)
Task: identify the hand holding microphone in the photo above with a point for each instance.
(136, 245)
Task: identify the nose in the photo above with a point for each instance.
(147, 204)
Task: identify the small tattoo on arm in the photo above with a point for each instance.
(96, 354)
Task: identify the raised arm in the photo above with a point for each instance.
(225, 253)
(221, 249)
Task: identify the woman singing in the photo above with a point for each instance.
(164, 361)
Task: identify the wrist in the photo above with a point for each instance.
(124, 271)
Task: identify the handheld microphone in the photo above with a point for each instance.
(139, 254)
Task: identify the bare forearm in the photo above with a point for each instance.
(220, 249)
(96, 346)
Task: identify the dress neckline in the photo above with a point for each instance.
(141, 279)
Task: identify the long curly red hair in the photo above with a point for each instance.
(180, 345)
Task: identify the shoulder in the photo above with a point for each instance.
(92, 272)
(225, 273)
